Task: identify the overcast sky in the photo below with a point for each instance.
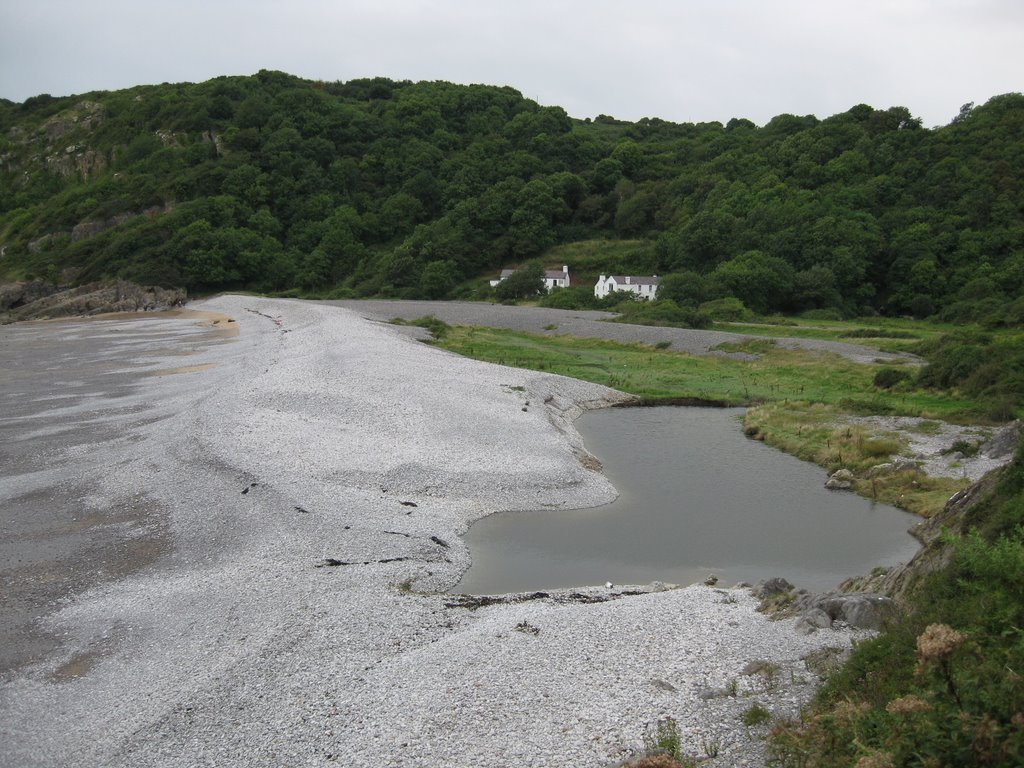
(687, 60)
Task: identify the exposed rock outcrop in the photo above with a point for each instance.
(14, 295)
(859, 610)
(935, 553)
(77, 162)
(1004, 442)
(38, 300)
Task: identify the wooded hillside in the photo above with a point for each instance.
(374, 187)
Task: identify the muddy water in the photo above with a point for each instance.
(696, 497)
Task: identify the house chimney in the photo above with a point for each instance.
(565, 269)
(627, 279)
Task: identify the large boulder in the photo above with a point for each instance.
(769, 587)
(858, 610)
(892, 467)
(840, 480)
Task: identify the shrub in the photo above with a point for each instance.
(953, 365)
(664, 737)
(887, 378)
(575, 297)
(525, 282)
(877, 448)
(756, 715)
(964, 448)
(729, 309)
(664, 312)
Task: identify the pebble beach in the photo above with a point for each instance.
(308, 479)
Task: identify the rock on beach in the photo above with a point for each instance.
(322, 438)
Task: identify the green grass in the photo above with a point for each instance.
(755, 715)
(664, 375)
(895, 334)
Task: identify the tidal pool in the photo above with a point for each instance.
(697, 497)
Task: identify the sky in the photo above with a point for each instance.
(681, 60)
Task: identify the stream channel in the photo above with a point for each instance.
(696, 497)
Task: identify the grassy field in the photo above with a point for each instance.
(884, 333)
(799, 399)
(654, 374)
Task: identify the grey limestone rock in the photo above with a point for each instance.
(859, 610)
(1005, 441)
(891, 467)
(773, 586)
(840, 480)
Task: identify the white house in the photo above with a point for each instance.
(644, 287)
(552, 278)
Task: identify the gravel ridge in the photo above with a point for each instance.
(594, 324)
(316, 482)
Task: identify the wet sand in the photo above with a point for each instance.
(66, 388)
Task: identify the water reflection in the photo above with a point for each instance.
(696, 497)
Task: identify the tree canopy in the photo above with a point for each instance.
(378, 187)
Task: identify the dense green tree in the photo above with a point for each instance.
(525, 282)
(271, 182)
(686, 289)
(763, 283)
(438, 279)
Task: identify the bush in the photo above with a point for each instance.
(575, 297)
(952, 365)
(663, 736)
(973, 311)
(887, 378)
(729, 309)
(525, 282)
(664, 313)
(921, 306)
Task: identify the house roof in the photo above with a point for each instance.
(552, 274)
(636, 279)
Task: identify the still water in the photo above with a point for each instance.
(696, 497)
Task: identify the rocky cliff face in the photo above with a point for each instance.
(60, 145)
(37, 300)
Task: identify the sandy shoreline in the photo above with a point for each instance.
(319, 437)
